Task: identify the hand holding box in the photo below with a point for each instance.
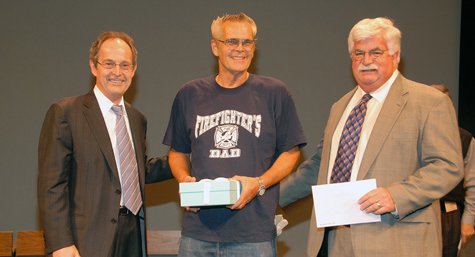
(207, 192)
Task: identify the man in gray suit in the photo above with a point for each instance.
(92, 162)
(404, 135)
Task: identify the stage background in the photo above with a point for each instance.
(44, 57)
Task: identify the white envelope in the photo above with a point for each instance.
(337, 204)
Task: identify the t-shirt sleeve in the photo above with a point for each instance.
(289, 129)
(176, 135)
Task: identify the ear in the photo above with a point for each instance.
(93, 68)
(397, 58)
(214, 47)
(133, 72)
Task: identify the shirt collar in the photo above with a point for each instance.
(104, 103)
(381, 93)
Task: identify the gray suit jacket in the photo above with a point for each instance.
(78, 183)
(414, 151)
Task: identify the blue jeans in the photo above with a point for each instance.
(190, 247)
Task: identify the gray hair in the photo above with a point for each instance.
(216, 26)
(368, 28)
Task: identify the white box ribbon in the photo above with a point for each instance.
(206, 192)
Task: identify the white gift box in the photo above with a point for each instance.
(207, 192)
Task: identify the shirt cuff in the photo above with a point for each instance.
(468, 219)
(395, 213)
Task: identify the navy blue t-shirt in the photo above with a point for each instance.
(239, 131)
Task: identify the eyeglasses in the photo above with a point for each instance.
(234, 43)
(375, 54)
(111, 65)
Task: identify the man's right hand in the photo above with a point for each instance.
(187, 179)
(69, 251)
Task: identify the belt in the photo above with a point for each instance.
(442, 206)
(448, 206)
(124, 211)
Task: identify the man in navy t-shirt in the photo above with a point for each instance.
(240, 126)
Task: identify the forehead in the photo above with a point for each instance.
(371, 43)
(115, 47)
(235, 29)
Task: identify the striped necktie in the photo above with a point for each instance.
(349, 142)
(128, 164)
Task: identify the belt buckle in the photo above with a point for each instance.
(124, 210)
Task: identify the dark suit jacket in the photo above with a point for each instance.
(78, 183)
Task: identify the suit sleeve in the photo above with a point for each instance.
(54, 170)
(158, 170)
(469, 184)
(440, 161)
(299, 184)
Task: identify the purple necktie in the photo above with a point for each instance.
(349, 142)
(128, 164)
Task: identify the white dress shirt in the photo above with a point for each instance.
(110, 119)
(373, 108)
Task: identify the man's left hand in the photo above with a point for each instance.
(250, 186)
(377, 201)
(467, 231)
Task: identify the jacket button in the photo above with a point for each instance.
(113, 221)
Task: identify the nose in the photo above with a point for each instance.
(367, 59)
(116, 69)
(240, 46)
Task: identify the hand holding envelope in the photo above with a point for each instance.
(377, 201)
(337, 204)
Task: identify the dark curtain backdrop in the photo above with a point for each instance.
(467, 68)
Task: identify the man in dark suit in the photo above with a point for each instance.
(90, 191)
(452, 205)
(397, 131)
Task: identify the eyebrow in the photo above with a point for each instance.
(110, 60)
(374, 49)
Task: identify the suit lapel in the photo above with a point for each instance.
(393, 105)
(95, 120)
